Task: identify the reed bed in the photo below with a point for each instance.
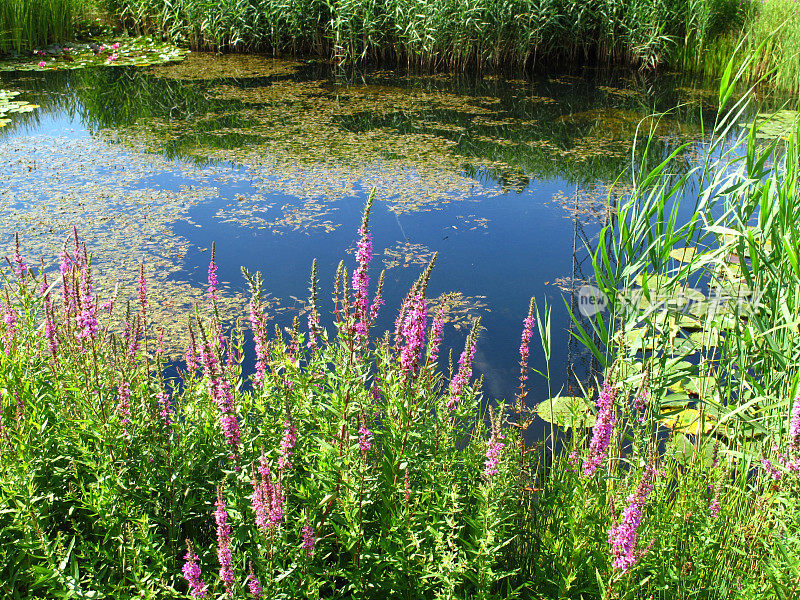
(31, 24)
(453, 34)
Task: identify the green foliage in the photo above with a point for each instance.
(107, 467)
(713, 360)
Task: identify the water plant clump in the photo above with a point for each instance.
(26, 24)
(126, 52)
(10, 106)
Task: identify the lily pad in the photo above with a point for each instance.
(681, 449)
(567, 411)
(684, 255)
(688, 421)
(10, 106)
(707, 339)
(775, 125)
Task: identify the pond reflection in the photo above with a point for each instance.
(508, 180)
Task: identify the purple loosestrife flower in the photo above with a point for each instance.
(142, 289)
(623, 535)
(364, 439)
(361, 280)
(495, 445)
(359, 323)
(493, 452)
(413, 333)
(308, 540)
(192, 574)
(165, 409)
(67, 267)
(124, 403)
(220, 391)
(377, 301)
(267, 498)
(258, 324)
(20, 268)
(313, 328)
(287, 445)
(10, 331)
(160, 343)
(192, 360)
(524, 354)
(258, 500)
(437, 329)
(713, 509)
(524, 346)
(254, 584)
(87, 321)
(463, 374)
(771, 470)
(86, 318)
(603, 428)
(212, 277)
(640, 404)
(223, 542)
(794, 426)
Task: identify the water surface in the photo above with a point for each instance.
(272, 160)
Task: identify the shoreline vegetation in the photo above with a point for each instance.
(464, 35)
(361, 464)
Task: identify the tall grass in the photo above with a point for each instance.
(29, 24)
(702, 277)
(456, 34)
(769, 29)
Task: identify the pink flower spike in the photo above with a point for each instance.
(794, 426)
(224, 543)
(603, 428)
(115, 46)
(193, 576)
(309, 540)
(42, 64)
(112, 57)
(624, 534)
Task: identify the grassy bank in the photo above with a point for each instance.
(771, 32)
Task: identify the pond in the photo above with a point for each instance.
(272, 160)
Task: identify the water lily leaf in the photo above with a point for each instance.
(683, 255)
(703, 386)
(707, 339)
(689, 421)
(681, 449)
(653, 281)
(638, 339)
(567, 411)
